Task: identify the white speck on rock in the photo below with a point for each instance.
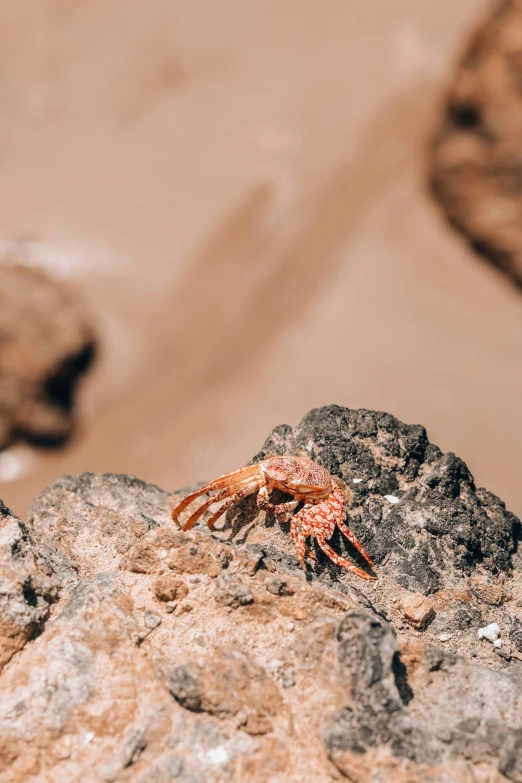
(490, 632)
(88, 737)
(152, 620)
(274, 666)
(217, 755)
(392, 498)
(444, 637)
(357, 481)
(497, 643)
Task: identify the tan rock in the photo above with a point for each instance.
(152, 550)
(225, 683)
(168, 588)
(445, 599)
(417, 610)
(258, 724)
(194, 558)
(104, 691)
(493, 595)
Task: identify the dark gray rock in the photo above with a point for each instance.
(458, 714)
(377, 715)
(441, 525)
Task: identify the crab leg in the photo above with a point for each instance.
(281, 511)
(227, 480)
(336, 505)
(340, 561)
(249, 489)
(354, 540)
(233, 493)
(225, 493)
(299, 539)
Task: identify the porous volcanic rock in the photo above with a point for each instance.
(442, 526)
(137, 652)
(46, 344)
(477, 153)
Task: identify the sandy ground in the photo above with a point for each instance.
(239, 188)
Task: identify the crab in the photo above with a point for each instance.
(323, 495)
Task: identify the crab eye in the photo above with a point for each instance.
(293, 480)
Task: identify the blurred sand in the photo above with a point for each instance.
(239, 187)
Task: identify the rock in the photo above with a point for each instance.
(72, 516)
(151, 620)
(227, 683)
(169, 588)
(280, 672)
(114, 675)
(443, 526)
(462, 617)
(458, 715)
(515, 635)
(258, 724)
(27, 587)
(417, 610)
(195, 558)
(90, 676)
(46, 344)
(185, 685)
(231, 592)
(490, 632)
(492, 595)
(475, 170)
(148, 554)
(278, 586)
(369, 657)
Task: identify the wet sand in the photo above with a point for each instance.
(239, 189)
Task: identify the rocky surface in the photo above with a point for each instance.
(477, 154)
(134, 652)
(46, 344)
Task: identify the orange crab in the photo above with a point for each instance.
(323, 496)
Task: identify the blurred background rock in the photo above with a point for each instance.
(241, 192)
